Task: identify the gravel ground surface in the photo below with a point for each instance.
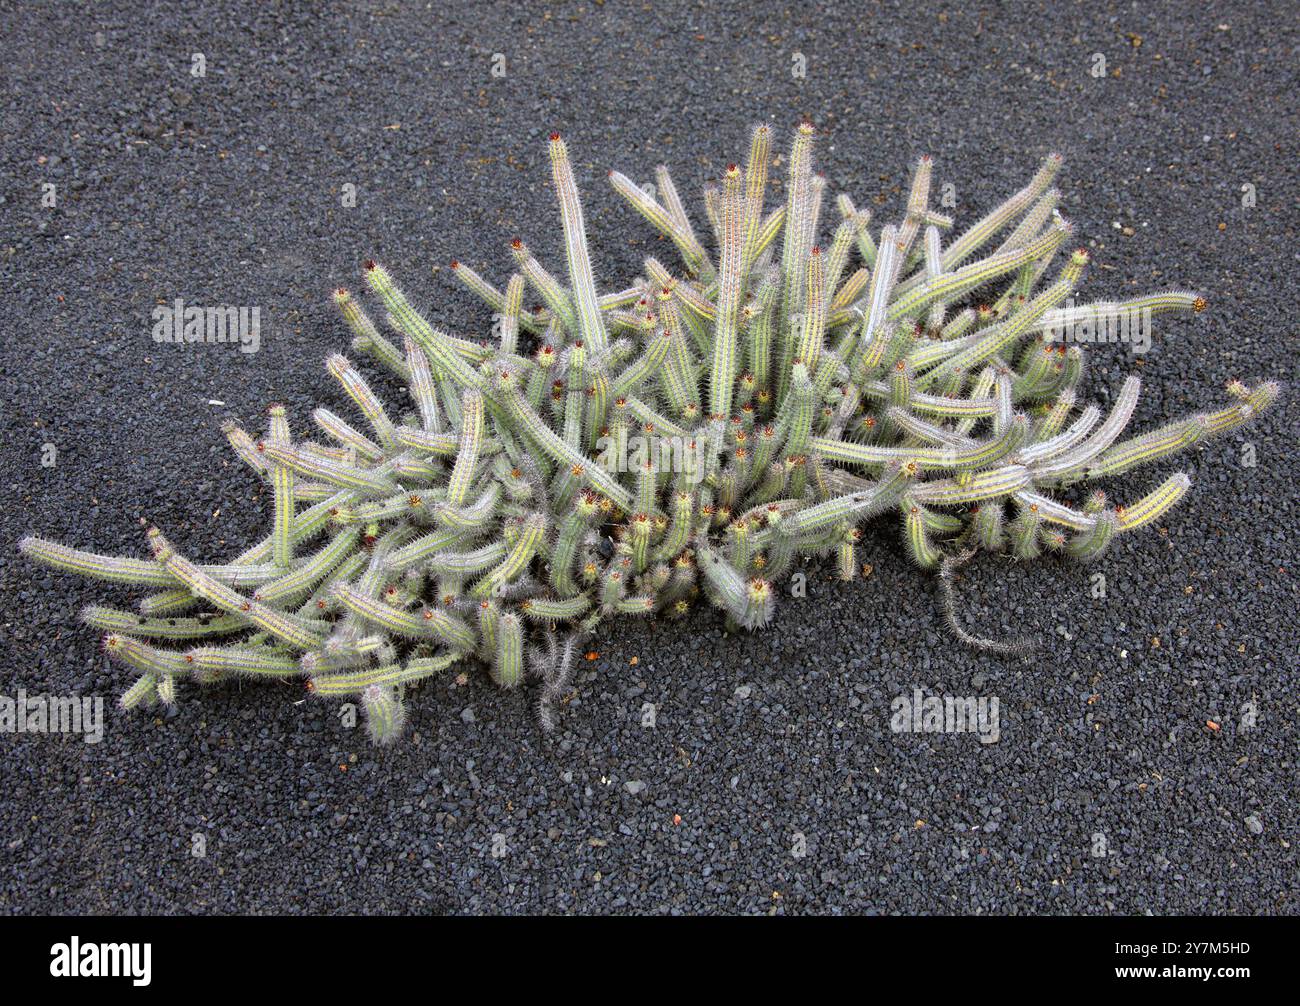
(771, 782)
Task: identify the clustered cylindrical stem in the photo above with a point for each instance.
(690, 434)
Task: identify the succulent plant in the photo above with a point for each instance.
(695, 433)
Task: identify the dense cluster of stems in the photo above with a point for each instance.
(694, 434)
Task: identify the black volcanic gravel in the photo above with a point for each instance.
(771, 782)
